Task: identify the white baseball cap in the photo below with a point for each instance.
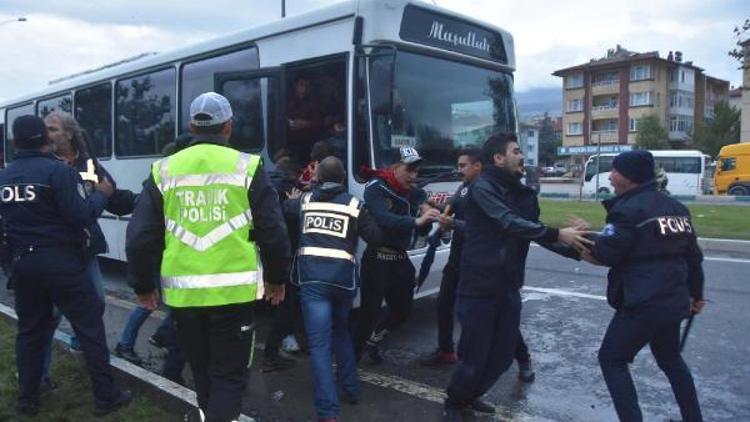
(212, 105)
(409, 155)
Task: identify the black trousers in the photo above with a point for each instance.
(384, 276)
(627, 334)
(489, 332)
(44, 277)
(217, 343)
(446, 303)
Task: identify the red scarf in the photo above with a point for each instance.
(388, 176)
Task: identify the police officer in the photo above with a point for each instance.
(655, 280)
(502, 217)
(469, 164)
(394, 200)
(46, 210)
(331, 222)
(200, 214)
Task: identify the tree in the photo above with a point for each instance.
(722, 130)
(741, 34)
(651, 134)
(548, 141)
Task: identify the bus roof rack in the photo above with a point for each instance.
(106, 66)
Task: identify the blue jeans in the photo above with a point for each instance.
(138, 316)
(95, 273)
(325, 309)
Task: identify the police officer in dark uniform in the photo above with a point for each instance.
(330, 222)
(46, 211)
(394, 200)
(655, 280)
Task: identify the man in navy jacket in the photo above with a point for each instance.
(502, 217)
(655, 280)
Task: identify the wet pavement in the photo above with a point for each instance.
(563, 321)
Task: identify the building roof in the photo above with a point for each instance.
(619, 56)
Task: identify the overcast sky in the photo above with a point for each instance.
(67, 36)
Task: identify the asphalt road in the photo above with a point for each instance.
(564, 318)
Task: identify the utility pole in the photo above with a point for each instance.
(283, 8)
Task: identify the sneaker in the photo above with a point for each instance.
(27, 409)
(194, 415)
(525, 372)
(482, 407)
(439, 358)
(157, 342)
(123, 399)
(128, 354)
(277, 363)
(289, 344)
(352, 399)
(373, 352)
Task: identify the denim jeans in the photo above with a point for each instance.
(95, 273)
(325, 309)
(137, 317)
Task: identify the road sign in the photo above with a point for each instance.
(593, 149)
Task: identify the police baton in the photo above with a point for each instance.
(686, 331)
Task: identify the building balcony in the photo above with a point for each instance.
(605, 87)
(606, 111)
(604, 136)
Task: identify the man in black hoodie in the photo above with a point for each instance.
(502, 217)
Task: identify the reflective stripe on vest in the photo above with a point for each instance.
(326, 253)
(210, 280)
(238, 178)
(211, 238)
(352, 209)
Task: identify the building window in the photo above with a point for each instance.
(680, 123)
(575, 129)
(642, 71)
(574, 81)
(681, 99)
(640, 99)
(530, 134)
(575, 105)
(633, 126)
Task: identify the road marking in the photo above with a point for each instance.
(432, 394)
(560, 292)
(722, 259)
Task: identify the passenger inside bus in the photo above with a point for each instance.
(303, 119)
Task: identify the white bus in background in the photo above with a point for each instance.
(394, 72)
(685, 169)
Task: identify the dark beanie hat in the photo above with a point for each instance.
(29, 131)
(636, 166)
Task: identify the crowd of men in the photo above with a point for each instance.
(211, 233)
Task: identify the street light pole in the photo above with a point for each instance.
(598, 162)
(283, 8)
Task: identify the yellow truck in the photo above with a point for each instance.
(732, 176)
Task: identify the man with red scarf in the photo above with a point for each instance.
(394, 200)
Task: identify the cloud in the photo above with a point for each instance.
(64, 37)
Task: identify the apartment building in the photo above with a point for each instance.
(530, 143)
(604, 100)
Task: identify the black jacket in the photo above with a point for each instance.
(342, 235)
(652, 249)
(44, 202)
(145, 234)
(395, 214)
(122, 202)
(502, 216)
(457, 203)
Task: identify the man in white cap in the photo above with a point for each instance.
(200, 215)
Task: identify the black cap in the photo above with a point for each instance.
(29, 131)
(637, 166)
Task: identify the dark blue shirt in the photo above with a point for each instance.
(44, 202)
(395, 213)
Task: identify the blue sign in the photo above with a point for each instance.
(593, 149)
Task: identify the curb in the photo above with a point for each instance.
(700, 199)
(725, 246)
(173, 396)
